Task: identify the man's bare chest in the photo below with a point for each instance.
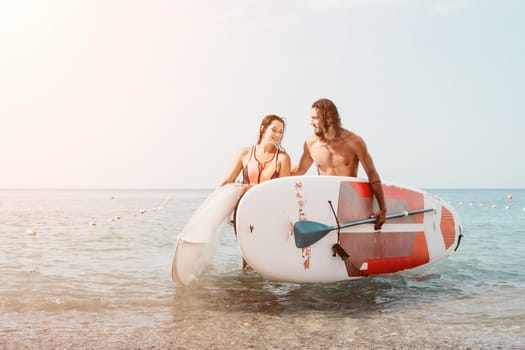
(332, 154)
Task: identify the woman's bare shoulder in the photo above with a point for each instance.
(243, 152)
(283, 154)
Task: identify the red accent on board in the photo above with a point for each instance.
(362, 189)
(448, 227)
(393, 194)
(383, 252)
(414, 200)
(419, 256)
(307, 253)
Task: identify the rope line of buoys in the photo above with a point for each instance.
(506, 206)
(160, 207)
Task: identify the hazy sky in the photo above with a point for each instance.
(163, 93)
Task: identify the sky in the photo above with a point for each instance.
(164, 93)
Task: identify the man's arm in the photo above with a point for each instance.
(374, 181)
(304, 163)
(377, 190)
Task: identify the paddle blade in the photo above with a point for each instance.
(308, 232)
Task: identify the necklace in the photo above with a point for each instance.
(261, 158)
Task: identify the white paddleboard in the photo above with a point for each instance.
(266, 215)
(196, 243)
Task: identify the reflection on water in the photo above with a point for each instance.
(253, 293)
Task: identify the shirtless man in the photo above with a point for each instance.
(337, 151)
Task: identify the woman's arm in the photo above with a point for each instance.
(235, 169)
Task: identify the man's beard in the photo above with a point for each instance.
(319, 132)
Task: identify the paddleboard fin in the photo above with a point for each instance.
(337, 249)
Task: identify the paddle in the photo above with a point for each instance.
(308, 232)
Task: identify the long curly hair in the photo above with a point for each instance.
(267, 120)
(328, 116)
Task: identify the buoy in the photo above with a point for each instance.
(509, 197)
(31, 232)
(92, 224)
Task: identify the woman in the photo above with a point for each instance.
(263, 161)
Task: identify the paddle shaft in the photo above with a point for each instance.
(308, 232)
(391, 216)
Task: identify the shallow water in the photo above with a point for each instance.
(92, 269)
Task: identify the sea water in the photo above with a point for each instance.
(91, 269)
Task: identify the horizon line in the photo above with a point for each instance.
(204, 188)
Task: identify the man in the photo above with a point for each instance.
(337, 151)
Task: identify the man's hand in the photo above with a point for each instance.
(380, 219)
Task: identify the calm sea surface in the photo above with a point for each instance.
(91, 269)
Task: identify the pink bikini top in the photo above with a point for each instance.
(251, 173)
